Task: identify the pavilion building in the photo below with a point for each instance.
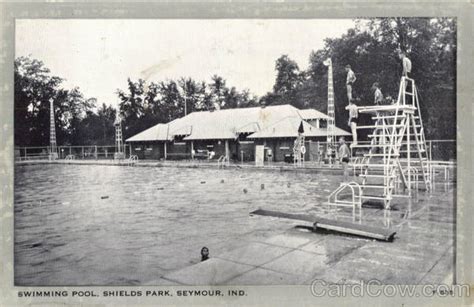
(234, 133)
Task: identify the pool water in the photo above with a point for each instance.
(120, 225)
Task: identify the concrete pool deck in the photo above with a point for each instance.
(294, 257)
(422, 253)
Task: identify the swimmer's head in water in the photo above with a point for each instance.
(204, 253)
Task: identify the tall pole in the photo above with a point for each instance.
(330, 134)
(52, 132)
(185, 100)
(119, 154)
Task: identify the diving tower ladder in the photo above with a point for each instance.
(331, 127)
(53, 149)
(397, 151)
(119, 148)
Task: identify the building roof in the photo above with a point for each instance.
(288, 127)
(229, 123)
(156, 133)
(308, 114)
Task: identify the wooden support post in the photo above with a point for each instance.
(227, 149)
(95, 151)
(264, 147)
(165, 153)
(192, 150)
(319, 152)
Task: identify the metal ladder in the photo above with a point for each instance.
(53, 150)
(413, 152)
(381, 162)
(120, 151)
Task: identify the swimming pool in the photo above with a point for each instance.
(120, 225)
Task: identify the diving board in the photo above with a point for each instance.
(339, 226)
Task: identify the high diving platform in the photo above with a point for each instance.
(392, 165)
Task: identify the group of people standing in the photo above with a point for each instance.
(344, 151)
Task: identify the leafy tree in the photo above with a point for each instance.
(96, 127)
(191, 94)
(287, 83)
(34, 88)
(372, 51)
(137, 106)
(218, 90)
(288, 77)
(431, 46)
(170, 101)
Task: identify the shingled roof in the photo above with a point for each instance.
(288, 127)
(271, 121)
(156, 133)
(308, 114)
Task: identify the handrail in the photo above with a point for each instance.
(132, 160)
(440, 162)
(355, 163)
(356, 198)
(414, 174)
(222, 161)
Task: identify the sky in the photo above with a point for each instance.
(98, 55)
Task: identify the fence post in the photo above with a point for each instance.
(431, 149)
(318, 154)
(95, 151)
(82, 152)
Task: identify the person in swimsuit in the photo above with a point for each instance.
(350, 79)
(344, 155)
(353, 120)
